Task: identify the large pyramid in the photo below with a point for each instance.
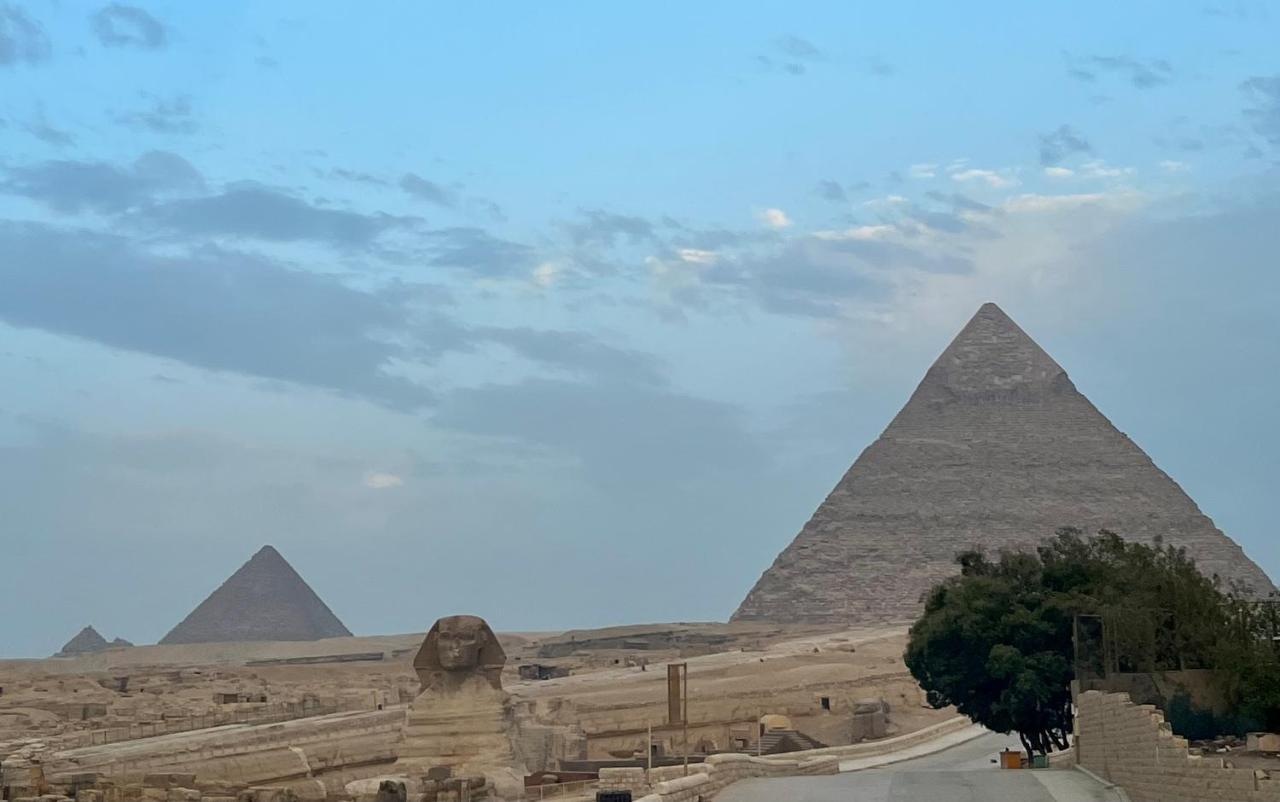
(996, 448)
(264, 600)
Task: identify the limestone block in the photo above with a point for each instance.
(1263, 742)
(129, 792)
(871, 705)
(217, 788)
(169, 780)
(271, 794)
(391, 791)
(868, 724)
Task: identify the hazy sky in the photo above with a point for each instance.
(569, 314)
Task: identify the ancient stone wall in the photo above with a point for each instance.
(714, 719)
(1132, 746)
(732, 767)
(275, 753)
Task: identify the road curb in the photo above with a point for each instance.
(1110, 786)
(898, 757)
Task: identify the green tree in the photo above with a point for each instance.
(1248, 658)
(996, 641)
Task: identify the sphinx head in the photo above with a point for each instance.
(457, 647)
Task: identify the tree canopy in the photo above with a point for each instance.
(997, 640)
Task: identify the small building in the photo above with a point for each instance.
(539, 671)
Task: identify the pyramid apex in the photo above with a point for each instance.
(992, 354)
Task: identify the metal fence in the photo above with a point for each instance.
(1118, 641)
(560, 790)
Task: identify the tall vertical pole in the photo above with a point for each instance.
(648, 752)
(685, 715)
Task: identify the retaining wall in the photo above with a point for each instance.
(669, 784)
(709, 778)
(1133, 746)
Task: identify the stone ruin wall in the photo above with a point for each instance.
(1132, 746)
(669, 783)
(717, 719)
(314, 757)
(158, 787)
(673, 784)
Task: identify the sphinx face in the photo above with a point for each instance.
(458, 650)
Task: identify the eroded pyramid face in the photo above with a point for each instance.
(996, 448)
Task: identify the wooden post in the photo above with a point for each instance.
(648, 751)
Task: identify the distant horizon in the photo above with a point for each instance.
(268, 548)
(565, 316)
(407, 634)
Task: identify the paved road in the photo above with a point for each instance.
(964, 773)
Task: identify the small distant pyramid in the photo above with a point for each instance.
(264, 600)
(995, 449)
(86, 641)
(89, 641)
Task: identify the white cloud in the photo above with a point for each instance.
(1099, 169)
(545, 274)
(775, 218)
(888, 200)
(1170, 166)
(381, 481)
(922, 170)
(857, 233)
(1054, 203)
(697, 256)
(1058, 172)
(990, 177)
(1029, 264)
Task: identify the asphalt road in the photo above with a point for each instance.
(964, 773)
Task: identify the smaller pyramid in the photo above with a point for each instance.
(265, 600)
(86, 641)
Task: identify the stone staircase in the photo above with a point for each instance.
(777, 742)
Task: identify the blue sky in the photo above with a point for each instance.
(570, 314)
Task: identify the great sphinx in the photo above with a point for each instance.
(461, 718)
